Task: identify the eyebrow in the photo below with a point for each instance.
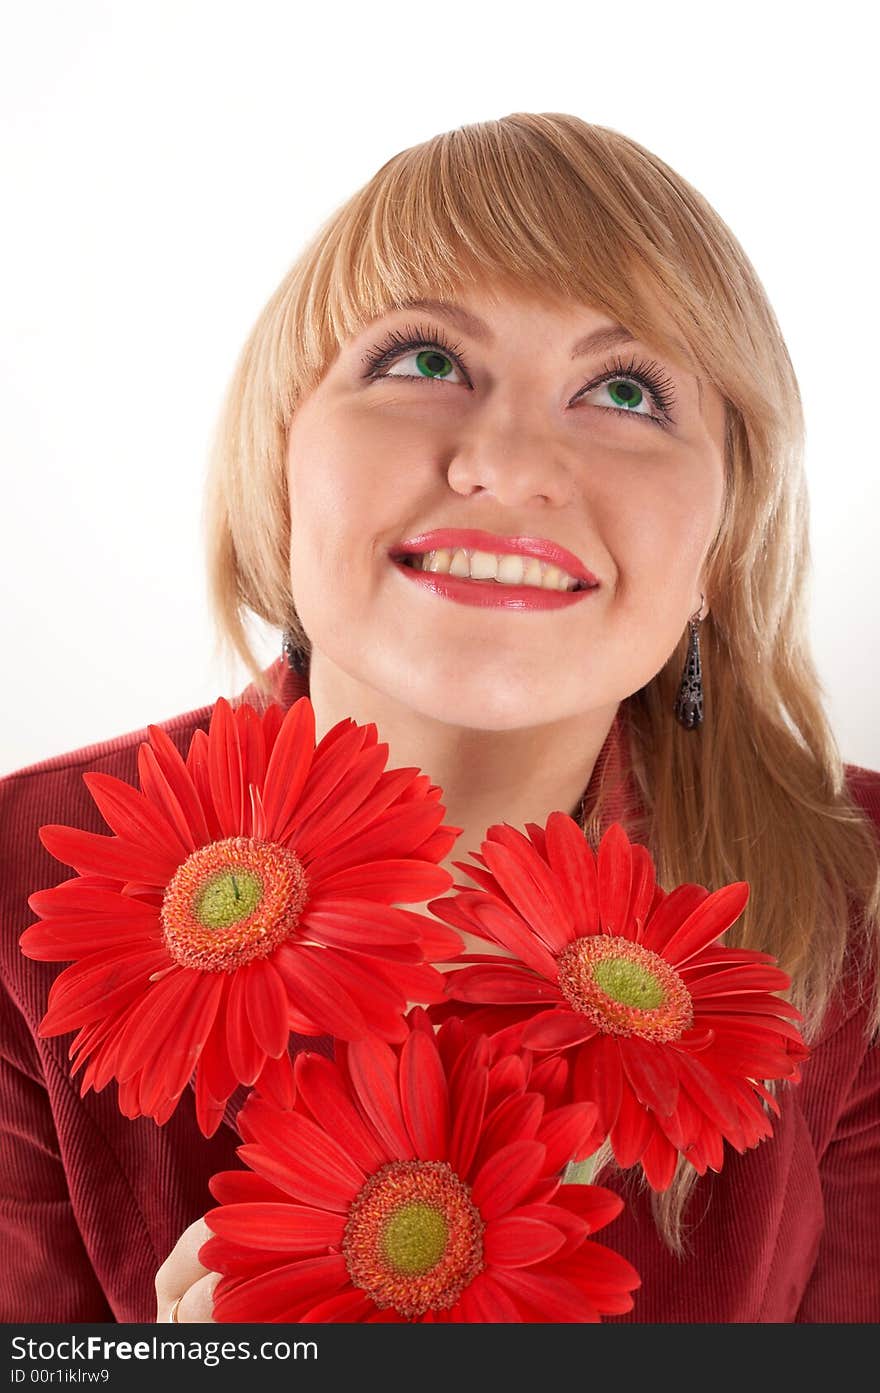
(599, 341)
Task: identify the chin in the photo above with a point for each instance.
(478, 706)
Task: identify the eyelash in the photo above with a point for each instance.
(646, 375)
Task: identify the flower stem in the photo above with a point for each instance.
(580, 1172)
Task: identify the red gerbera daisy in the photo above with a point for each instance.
(668, 1032)
(413, 1183)
(246, 893)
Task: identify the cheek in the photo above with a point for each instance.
(346, 503)
(661, 530)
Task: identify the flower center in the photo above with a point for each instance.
(624, 988)
(414, 1240)
(232, 901)
(414, 1237)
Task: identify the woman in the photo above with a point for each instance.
(604, 389)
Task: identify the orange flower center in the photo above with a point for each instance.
(414, 1237)
(624, 988)
(232, 901)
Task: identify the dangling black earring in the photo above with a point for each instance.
(296, 657)
(688, 706)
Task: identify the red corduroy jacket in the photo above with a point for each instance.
(91, 1203)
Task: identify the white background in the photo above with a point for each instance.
(164, 163)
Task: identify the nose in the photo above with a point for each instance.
(514, 463)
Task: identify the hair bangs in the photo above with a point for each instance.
(467, 210)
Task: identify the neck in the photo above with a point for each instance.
(487, 776)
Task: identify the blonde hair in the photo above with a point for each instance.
(551, 207)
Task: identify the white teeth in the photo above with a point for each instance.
(484, 565)
(507, 569)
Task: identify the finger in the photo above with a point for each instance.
(182, 1268)
(197, 1304)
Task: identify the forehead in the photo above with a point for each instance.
(472, 310)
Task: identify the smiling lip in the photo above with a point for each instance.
(486, 593)
(472, 539)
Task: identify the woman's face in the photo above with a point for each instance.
(513, 435)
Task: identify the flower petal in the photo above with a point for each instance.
(516, 1242)
(643, 885)
(278, 1227)
(331, 763)
(614, 873)
(60, 940)
(133, 817)
(389, 882)
(243, 1187)
(548, 1297)
(558, 1029)
(151, 1021)
(226, 770)
(483, 1301)
(79, 899)
(468, 1111)
(540, 874)
(279, 1295)
(659, 1160)
(321, 1089)
(709, 1095)
(309, 986)
(397, 832)
(373, 1069)
(347, 923)
(650, 1068)
(160, 794)
(246, 1055)
(91, 853)
(275, 1081)
(512, 874)
(704, 924)
(90, 990)
(347, 1306)
(741, 978)
(571, 858)
(167, 760)
(500, 986)
(372, 790)
(516, 1118)
(288, 767)
(605, 1274)
(632, 1131)
(266, 1005)
(424, 1097)
(673, 911)
(595, 1204)
(570, 1134)
(598, 1078)
(315, 1169)
(507, 1177)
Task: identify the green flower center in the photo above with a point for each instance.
(624, 988)
(232, 901)
(228, 899)
(415, 1239)
(629, 983)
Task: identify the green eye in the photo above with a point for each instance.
(630, 386)
(626, 394)
(430, 363)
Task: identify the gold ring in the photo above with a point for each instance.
(173, 1316)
